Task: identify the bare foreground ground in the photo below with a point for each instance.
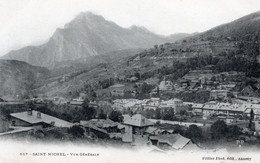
(12, 151)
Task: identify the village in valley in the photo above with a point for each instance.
(158, 118)
(200, 93)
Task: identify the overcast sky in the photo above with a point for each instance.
(32, 22)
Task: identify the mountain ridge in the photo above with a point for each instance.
(237, 28)
(19, 78)
(153, 62)
(86, 35)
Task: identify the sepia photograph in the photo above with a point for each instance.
(129, 81)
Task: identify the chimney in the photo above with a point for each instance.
(29, 112)
(38, 114)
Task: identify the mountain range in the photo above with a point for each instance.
(91, 49)
(88, 35)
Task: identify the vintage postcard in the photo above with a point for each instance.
(130, 81)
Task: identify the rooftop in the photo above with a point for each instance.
(17, 130)
(175, 140)
(139, 121)
(117, 86)
(126, 117)
(103, 123)
(92, 126)
(150, 130)
(32, 119)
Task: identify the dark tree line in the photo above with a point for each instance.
(220, 130)
(143, 91)
(73, 114)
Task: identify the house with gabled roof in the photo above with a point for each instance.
(170, 141)
(152, 131)
(12, 131)
(106, 124)
(92, 128)
(135, 125)
(32, 118)
(138, 120)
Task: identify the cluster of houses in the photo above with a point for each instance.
(140, 130)
(228, 110)
(231, 112)
(237, 107)
(135, 130)
(21, 123)
(153, 103)
(221, 83)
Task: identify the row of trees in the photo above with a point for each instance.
(72, 113)
(219, 130)
(143, 91)
(158, 113)
(193, 131)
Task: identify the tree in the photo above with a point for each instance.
(137, 74)
(87, 112)
(194, 133)
(93, 95)
(144, 90)
(183, 112)
(218, 129)
(250, 125)
(116, 116)
(158, 113)
(30, 105)
(76, 131)
(233, 132)
(102, 115)
(149, 113)
(168, 114)
(56, 133)
(5, 113)
(178, 129)
(129, 112)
